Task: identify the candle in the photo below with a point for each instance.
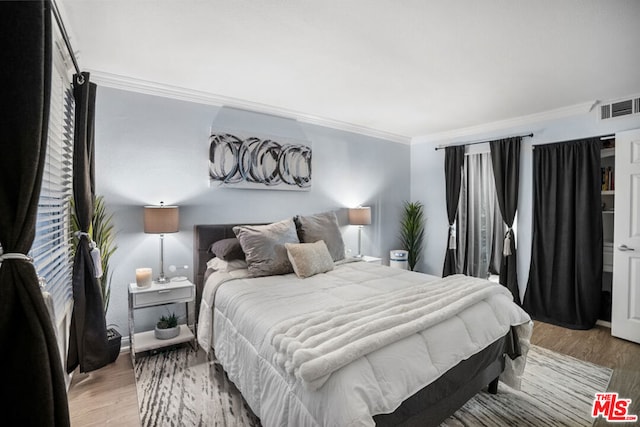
(143, 277)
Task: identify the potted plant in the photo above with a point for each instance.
(101, 230)
(167, 327)
(412, 231)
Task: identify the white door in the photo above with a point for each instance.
(625, 316)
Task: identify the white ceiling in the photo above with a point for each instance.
(408, 68)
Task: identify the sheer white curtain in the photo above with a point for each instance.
(480, 226)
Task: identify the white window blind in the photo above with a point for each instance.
(51, 249)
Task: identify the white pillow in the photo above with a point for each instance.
(226, 266)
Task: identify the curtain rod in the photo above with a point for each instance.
(601, 137)
(65, 37)
(482, 142)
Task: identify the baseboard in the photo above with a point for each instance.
(125, 345)
(604, 323)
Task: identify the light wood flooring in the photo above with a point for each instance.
(108, 396)
(598, 346)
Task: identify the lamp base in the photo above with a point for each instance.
(359, 242)
(162, 280)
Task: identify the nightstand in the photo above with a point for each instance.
(372, 259)
(155, 295)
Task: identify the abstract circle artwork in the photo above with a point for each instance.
(259, 162)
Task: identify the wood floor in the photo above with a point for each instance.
(599, 347)
(108, 396)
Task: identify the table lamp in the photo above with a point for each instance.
(360, 216)
(160, 220)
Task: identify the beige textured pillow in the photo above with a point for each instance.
(309, 259)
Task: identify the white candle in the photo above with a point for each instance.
(143, 277)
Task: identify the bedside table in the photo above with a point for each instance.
(372, 259)
(155, 295)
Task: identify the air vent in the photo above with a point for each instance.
(620, 108)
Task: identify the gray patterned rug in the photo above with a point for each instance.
(180, 388)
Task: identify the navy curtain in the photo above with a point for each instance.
(565, 277)
(505, 158)
(32, 380)
(88, 335)
(453, 162)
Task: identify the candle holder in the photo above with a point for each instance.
(143, 277)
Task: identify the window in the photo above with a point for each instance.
(51, 248)
(479, 219)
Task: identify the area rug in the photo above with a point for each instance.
(181, 388)
(557, 390)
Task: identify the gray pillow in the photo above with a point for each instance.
(264, 249)
(227, 249)
(322, 226)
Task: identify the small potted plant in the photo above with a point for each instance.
(167, 327)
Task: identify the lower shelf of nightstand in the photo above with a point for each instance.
(145, 341)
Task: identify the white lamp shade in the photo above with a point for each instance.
(360, 215)
(161, 219)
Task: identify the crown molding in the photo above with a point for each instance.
(183, 94)
(559, 113)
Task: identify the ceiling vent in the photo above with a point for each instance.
(625, 107)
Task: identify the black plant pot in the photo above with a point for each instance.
(114, 339)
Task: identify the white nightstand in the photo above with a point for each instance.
(159, 294)
(372, 259)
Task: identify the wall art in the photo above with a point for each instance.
(244, 161)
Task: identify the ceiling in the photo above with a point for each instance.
(406, 68)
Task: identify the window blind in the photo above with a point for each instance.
(52, 247)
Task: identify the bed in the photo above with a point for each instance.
(241, 317)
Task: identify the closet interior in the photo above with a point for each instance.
(607, 171)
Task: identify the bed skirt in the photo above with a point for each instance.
(436, 402)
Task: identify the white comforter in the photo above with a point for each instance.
(247, 314)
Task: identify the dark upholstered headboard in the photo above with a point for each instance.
(203, 236)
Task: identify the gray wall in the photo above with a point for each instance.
(151, 149)
(427, 180)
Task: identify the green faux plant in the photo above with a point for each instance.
(412, 231)
(101, 230)
(168, 322)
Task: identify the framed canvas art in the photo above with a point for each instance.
(240, 160)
